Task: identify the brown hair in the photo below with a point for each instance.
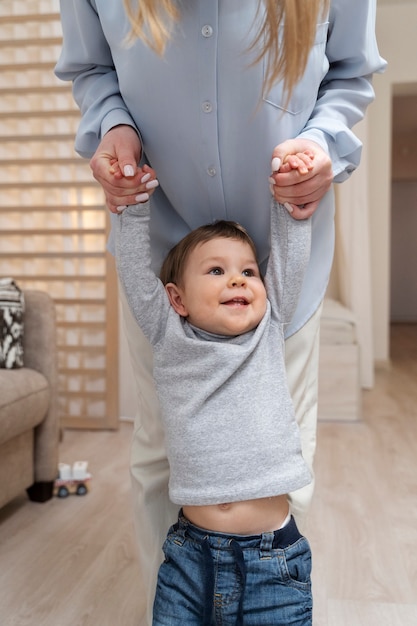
(286, 57)
(173, 266)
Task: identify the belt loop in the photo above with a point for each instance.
(180, 529)
(265, 549)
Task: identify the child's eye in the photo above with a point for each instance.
(216, 271)
(248, 272)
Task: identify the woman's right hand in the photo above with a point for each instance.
(300, 191)
(114, 166)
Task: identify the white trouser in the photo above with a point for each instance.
(153, 511)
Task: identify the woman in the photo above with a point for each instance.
(209, 93)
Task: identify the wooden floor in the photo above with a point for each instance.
(72, 562)
(363, 523)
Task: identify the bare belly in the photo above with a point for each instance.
(250, 517)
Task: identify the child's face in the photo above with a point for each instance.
(222, 290)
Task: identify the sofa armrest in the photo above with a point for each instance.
(40, 354)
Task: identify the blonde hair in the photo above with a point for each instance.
(286, 58)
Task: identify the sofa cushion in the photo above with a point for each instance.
(24, 400)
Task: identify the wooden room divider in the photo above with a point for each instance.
(53, 220)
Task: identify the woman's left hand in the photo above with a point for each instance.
(300, 192)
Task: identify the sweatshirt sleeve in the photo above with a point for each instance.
(86, 60)
(288, 260)
(144, 291)
(346, 90)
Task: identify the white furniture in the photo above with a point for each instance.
(339, 382)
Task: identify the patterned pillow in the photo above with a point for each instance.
(12, 307)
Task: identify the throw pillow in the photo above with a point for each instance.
(12, 307)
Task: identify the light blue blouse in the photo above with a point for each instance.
(207, 128)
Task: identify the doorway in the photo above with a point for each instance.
(403, 291)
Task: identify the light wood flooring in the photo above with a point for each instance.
(72, 562)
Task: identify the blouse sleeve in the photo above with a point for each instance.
(86, 60)
(346, 90)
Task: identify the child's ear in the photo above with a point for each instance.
(175, 298)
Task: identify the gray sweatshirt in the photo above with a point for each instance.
(229, 422)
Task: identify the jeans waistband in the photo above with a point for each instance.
(278, 539)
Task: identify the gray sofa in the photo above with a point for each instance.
(29, 427)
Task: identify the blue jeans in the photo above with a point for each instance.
(210, 578)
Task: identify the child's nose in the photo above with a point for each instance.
(237, 280)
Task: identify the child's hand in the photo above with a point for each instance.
(147, 181)
(301, 161)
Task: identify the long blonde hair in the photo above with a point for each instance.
(286, 58)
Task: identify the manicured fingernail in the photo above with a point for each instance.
(271, 181)
(275, 164)
(145, 177)
(288, 207)
(128, 170)
(142, 197)
(152, 184)
(119, 209)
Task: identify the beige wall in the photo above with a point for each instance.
(397, 39)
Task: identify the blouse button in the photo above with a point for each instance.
(207, 31)
(207, 107)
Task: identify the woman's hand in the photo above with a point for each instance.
(148, 182)
(114, 166)
(300, 190)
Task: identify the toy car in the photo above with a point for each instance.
(72, 480)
